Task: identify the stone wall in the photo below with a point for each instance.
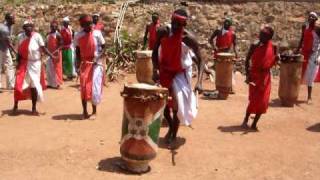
(286, 17)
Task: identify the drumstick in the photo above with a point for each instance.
(197, 98)
(252, 84)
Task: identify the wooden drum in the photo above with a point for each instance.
(290, 79)
(144, 67)
(143, 112)
(224, 68)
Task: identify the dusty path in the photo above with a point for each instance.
(57, 145)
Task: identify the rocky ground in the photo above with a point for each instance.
(57, 145)
(286, 17)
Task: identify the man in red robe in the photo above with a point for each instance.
(306, 47)
(177, 47)
(224, 40)
(151, 30)
(30, 74)
(263, 56)
(90, 48)
(54, 66)
(67, 51)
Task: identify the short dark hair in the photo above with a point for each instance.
(7, 16)
(270, 29)
(181, 12)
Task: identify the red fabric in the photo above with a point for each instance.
(153, 34)
(262, 59)
(307, 47)
(52, 47)
(19, 93)
(66, 34)
(87, 48)
(225, 41)
(23, 51)
(170, 60)
(99, 26)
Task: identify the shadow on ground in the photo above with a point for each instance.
(314, 128)
(19, 112)
(276, 103)
(114, 165)
(235, 129)
(65, 117)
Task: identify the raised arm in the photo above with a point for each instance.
(191, 42)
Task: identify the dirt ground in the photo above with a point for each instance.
(57, 145)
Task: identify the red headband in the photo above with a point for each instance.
(179, 18)
(54, 22)
(85, 19)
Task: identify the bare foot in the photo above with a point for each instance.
(14, 111)
(93, 117)
(254, 128)
(244, 126)
(35, 113)
(85, 116)
(309, 101)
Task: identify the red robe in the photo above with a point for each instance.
(99, 26)
(263, 58)
(170, 60)
(52, 47)
(87, 48)
(66, 34)
(153, 34)
(23, 51)
(224, 41)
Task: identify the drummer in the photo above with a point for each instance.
(307, 45)
(90, 46)
(173, 67)
(151, 30)
(263, 56)
(224, 40)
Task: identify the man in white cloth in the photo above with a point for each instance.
(5, 47)
(90, 47)
(313, 63)
(172, 61)
(28, 77)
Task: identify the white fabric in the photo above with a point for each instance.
(98, 70)
(32, 78)
(34, 47)
(97, 84)
(66, 19)
(6, 60)
(182, 89)
(313, 67)
(314, 14)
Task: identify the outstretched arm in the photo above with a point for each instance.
(191, 42)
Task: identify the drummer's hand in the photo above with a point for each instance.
(297, 51)
(247, 79)
(155, 76)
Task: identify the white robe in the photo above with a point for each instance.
(182, 89)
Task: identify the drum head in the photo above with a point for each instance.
(143, 54)
(225, 55)
(143, 86)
